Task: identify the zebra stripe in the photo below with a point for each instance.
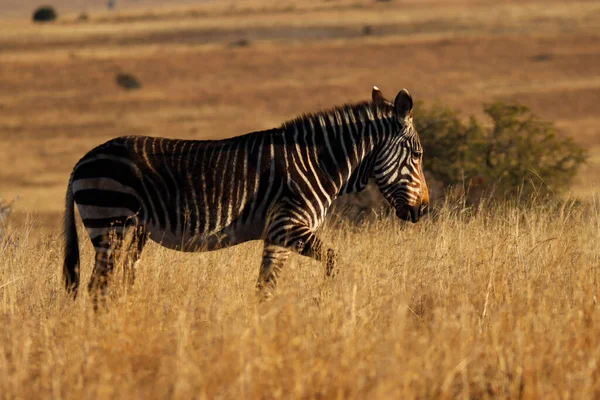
(275, 185)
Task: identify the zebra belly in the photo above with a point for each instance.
(231, 235)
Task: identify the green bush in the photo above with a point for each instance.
(5, 210)
(516, 153)
(45, 14)
(128, 81)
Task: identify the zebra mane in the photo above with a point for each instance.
(347, 113)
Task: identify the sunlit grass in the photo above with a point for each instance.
(502, 303)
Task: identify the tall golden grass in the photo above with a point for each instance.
(499, 302)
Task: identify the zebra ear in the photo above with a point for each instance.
(377, 96)
(403, 104)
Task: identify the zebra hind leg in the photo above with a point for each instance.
(103, 268)
(133, 251)
(111, 248)
(274, 258)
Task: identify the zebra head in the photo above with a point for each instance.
(398, 169)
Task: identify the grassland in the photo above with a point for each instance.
(501, 303)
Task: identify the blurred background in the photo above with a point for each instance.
(77, 73)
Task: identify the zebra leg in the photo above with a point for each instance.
(133, 256)
(311, 246)
(302, 239)
(109, 248)
(274, 258)
(103, 268)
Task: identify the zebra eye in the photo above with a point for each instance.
(417, 153)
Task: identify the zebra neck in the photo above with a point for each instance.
(361, 158)
(344, 141)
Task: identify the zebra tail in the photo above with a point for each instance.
(71, 265)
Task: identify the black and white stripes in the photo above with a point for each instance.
(274, 185)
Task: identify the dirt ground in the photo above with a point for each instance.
(215, 69)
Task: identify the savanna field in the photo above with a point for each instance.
(485, 300)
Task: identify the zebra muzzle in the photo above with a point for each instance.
(409, 213)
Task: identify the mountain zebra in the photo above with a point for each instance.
(275, 185)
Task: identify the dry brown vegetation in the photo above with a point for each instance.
(502, 303)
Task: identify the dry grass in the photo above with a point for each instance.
(502, 304)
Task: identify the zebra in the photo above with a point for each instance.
(274, 185)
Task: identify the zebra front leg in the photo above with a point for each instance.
(274, 258)
(302, 239)
(311, 246)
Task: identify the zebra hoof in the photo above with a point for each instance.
(331, 272)
(263, 293)
(264, 297)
